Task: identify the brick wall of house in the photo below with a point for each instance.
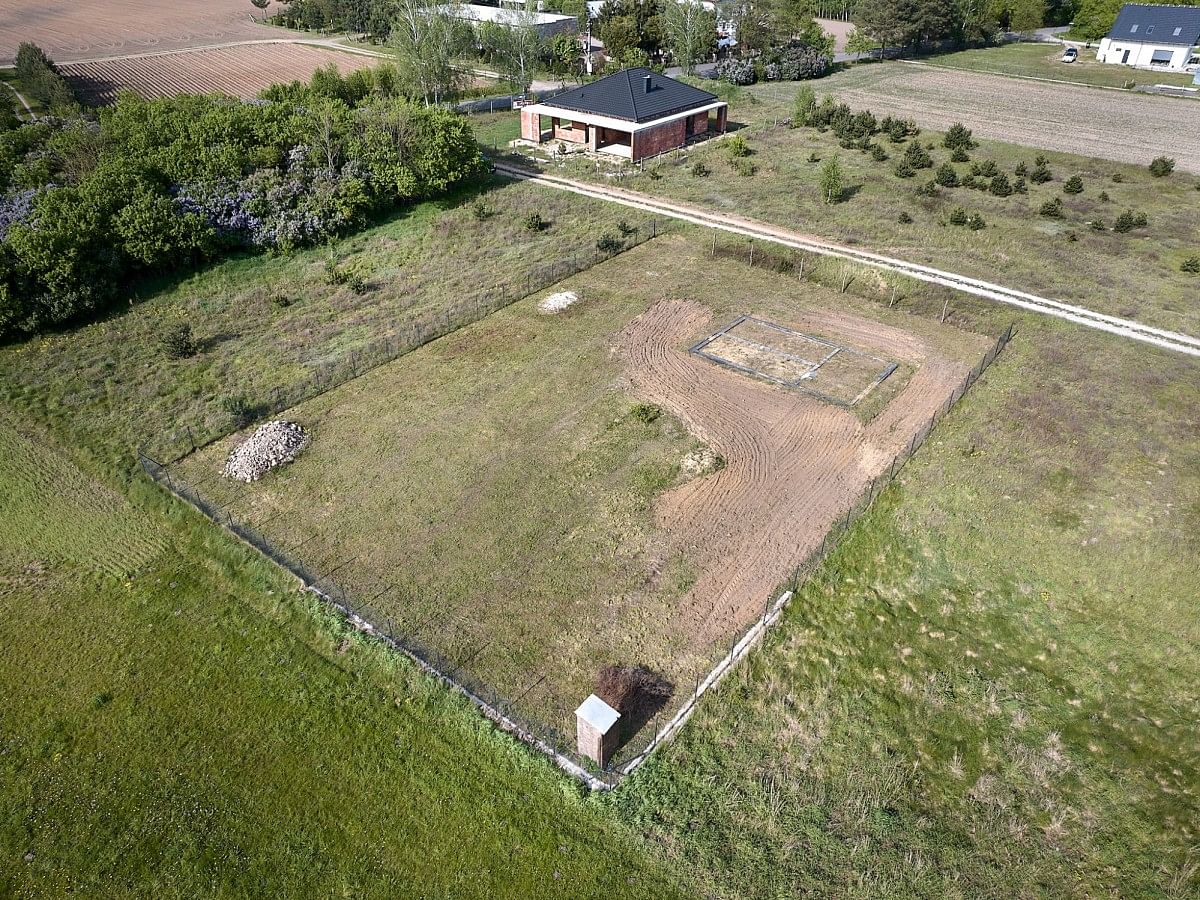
(531, 126)
(658, 140)
(700, 123)
(574, 132)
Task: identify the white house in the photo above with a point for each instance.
(1153, 37)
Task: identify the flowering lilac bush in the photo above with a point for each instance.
(17, 208)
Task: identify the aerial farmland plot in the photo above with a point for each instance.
(240, 71)
(537, 496)
(86, 30)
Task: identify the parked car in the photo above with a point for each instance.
(1193, 65)
(1070, 55)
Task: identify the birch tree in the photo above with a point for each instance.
(690, 31)
(427, 38)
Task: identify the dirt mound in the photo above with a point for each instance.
(272, 444)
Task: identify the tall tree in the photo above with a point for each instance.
(427, 37)
(515, 45)
(690, 31)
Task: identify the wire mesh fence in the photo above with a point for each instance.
(530, 712)
(174, 445)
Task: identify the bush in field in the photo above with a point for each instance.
(904, 169)
(646, 413)
(833, 183)
(958, 138)
(918, 157)
(178, 342)
(1129, 220)
(1019, 186)
(904, 219)
(897, 130)
(1073, 185)
(699, 169)
(1040, 173)
(625, 229)
(41, 79)
(946, 176)
(736, 71)
(743, 166)
(1191, 265)
(1097, 225)
(960, 155)
(608, 244)
(239, 410)
(1052, 209)
(985, 169)
(928, 189)
(480, 210)
(736, 146)
(1021, 170)
(803, 106)
(975, 222)
(999, 185)
(1162, 166)
(1117, 177)
(878, 153)
(534, 222)
(968, 181)
(959, 216)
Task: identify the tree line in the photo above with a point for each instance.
(89, 202)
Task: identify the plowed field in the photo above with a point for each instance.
(1088, 121)
(90, 28)
(241, 71)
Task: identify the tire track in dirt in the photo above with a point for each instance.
(794, 464)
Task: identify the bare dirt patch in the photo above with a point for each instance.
(1067, 118)
(90, 28)
(794, 464)
(240, 71)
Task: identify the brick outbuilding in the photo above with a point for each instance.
(633, 114)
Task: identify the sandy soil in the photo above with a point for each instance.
(838, 30)
(794, 465)
(1072, 119)
(82, 29)
(240, 71)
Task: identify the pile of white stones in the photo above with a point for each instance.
(272, 444)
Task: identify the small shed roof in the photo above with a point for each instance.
(597, 713)
(1152, 24)
(633, 95)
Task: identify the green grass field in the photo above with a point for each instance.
(1045, 61)
(1135, 274)
(273, 323)
(179, 721)
(539, 463)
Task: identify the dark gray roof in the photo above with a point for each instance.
(1149, 24)
(627, 95)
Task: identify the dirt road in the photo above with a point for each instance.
(1127, 328)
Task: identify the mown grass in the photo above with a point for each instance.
(539, 464)
(1135, 274)
(179, 721)
(1045, 61)
(267, 323)
(9, 77)
(991, 688)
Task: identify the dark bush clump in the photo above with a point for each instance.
(743, 166)
(946, 176)
(1128, 221)
(534, 222)
(1052, 209)
(1019, 186)
(928, 189)
(905, 219)
(878, 153)
(958, 217)
(999, 185)
(1021, 170)
(1162, 166)
(608, 244)
(178, 342)
(1073, 185)
(238, 408)
(904, 169)
(1191, 265)
(626, 229)
(699, 169)
(1103, 198)
(975, 222)
(918, 157)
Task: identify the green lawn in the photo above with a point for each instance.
(179, 721)
(1045, 61)
(1134, 275)
(9, 77)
